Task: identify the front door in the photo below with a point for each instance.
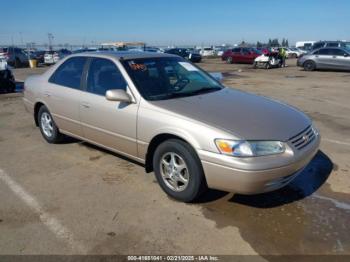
(108, 123)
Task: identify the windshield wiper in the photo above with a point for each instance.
(185, 94)
(204, 90)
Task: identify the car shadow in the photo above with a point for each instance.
(310, 180)
(106, 151)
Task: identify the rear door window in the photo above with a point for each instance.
(69, 73)
(337, 52)
(104, 75)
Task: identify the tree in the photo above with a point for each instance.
(287, 44)
(259, 45)
(270, 42)
(275, 42)
(283, 42)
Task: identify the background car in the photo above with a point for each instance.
(51, 57)
(187, 53)
(326, 58)
(207, 51)
(153, 49)
(38, 56)
(14, 56)
(7, 80)
(241, 55)
(293, 52)
(321, 44)
(219, 50)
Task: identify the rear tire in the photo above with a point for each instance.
(179, 171)
(309, 65)
(48, 127)
(17, 62)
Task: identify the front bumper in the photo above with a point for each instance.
(221, 172)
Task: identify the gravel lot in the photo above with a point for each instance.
(75, 198)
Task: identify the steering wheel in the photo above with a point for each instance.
(180, 84)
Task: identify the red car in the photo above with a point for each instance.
(241, 55)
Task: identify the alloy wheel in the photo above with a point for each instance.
(174, 171)
(47, 124)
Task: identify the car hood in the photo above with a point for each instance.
(245, 115)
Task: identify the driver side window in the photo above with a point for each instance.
(104, 75)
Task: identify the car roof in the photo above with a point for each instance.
(328, 47)
(124, 54)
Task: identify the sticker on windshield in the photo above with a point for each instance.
(137, 67)
(188, 66)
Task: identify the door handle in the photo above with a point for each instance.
(85, 105)
(47, 94)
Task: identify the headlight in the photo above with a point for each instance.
(241, 148)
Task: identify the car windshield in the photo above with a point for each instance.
(169, 77)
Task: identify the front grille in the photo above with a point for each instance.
(303, 138)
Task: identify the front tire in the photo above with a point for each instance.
(48, 127)
(309, 65)
(179, 171)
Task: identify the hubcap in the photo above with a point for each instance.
(46, 124)
(174, 171)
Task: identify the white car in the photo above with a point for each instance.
(52, 57)
(293, 52)
(219, 50)
(207, 51)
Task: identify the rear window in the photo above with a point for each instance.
(3, 50)
(69, 73)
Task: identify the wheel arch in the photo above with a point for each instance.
(155, 142)
(37, 107)
(310, 60)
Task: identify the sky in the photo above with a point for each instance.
(173, 22)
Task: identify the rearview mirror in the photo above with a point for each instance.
(118, 95)
(217, 75)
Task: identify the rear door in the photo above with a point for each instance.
(63, 94)
(245, 55)
(108, 123)
(236, 55)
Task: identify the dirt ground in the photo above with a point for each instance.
(75, 198)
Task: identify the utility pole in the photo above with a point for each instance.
(51, 37)
(21, 37)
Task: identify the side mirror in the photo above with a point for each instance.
(118, 95)
(217, 75)
(346, 55)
